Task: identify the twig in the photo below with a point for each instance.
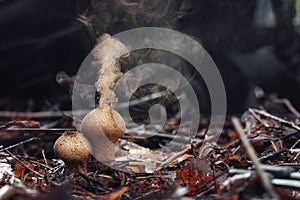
(294, 145)
(273, 155)
(280, 120)
(39, 129)
(148, 134)
(140, 100)
(63, 114)
(44, 157)
(20, 143)
(12, 123)
(251, 152)
(287, 103)
(288, 164)
(257, 117)
(41, 164)
(276, 171)
(206, 191)
(32, 115)
(172, 158)
(274, 146)
(22, 163)
(286, 183)
(148, 195)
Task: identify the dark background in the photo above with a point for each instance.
(40, 38)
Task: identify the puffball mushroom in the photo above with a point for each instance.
(103, 126)
(74, 149)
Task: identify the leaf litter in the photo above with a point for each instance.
(31, 170)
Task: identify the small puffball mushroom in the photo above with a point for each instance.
(74, 149)
(103, 126)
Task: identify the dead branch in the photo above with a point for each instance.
(251, 152)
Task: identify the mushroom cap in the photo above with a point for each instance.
(72, 147)
(103, 120)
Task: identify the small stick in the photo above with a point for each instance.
(294, 145)
(141, 100)
(273, 155)
(274, 146)
(172, 158)
(147, 195)
(22, 163)
(280, 120)
(147, 134)
(280, 144)
(63, 114)
(296, 157)
(32, 115)
(257, 117)
(39, 129)
(41, 164)
(60, 113)
(44, 156)
(251, 152)
(288, 164)
(20, 143)
(12, 123)
(287, 103)
(286, 183)
(206, 191)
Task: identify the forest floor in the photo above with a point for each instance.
(257, 156)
